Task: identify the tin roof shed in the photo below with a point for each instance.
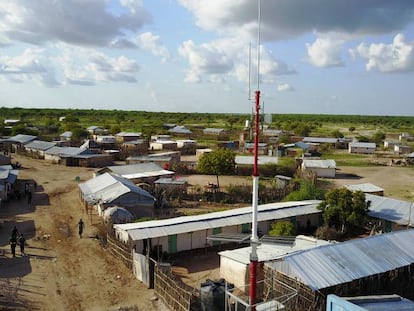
(340, 263)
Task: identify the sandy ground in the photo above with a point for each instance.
(61, 271)
(396, 181)
(64, 272)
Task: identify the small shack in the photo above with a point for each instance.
(394, 214)
(137, 173)
(235, 264)
(366, 188)
(37, 148)
(16, 143)
(377, 265)
(321, 168)
(362, 147)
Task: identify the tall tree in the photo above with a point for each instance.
(217, 162)
(342, 207)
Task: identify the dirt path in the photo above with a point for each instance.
(61, 271)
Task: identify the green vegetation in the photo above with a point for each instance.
(217, 162)
(282, 228)
(343, 207)
(348, 159)
(306, 191)
(45, 122)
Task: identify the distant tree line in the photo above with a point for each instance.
(45, 122)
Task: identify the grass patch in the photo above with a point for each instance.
(349, 159)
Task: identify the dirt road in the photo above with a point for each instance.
(61, 271)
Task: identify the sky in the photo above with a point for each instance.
(209, 56)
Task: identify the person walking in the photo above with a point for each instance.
(22, 242)
(14, 232)
(29, 197)
(13, 243)
(81, 226)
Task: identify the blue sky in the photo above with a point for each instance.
(316, 56)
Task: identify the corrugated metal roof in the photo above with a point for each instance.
(106, 188)
(139, 170)
(261, 160)
(177, 225)
(319, 164)
(302, 145)
(270, 132)
(149, 158)
(212, 130)
(8, 174)
(251, 145)
(87, 156)
(268, 252)
(171, 181)
(320, 140)
(362, 145)
(94, 127)
(393, 210)
(135, 142)
(335, 264)
(366, 187)
(21, 138)
(66, 134)
(179, 130)
(40, 145)
(65, 151)
(129, 134)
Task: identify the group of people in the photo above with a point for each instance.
(16, 239)
(19, 239)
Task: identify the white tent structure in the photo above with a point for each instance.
(117, 215)
(108, 190)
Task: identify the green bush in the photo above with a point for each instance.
(282, 228)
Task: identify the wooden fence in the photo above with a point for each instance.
(120, 250)
(173, 292)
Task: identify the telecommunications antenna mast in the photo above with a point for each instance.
(254, 238)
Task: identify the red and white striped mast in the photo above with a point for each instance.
(254, 238)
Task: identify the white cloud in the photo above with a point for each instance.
(150, 42)
(66, 64)
(87, 67)
(283, 87)
(228, 57)
(393, 57)
(291, 18)
(207, 58)
(325, 52)
(32, 64)
(88, 23)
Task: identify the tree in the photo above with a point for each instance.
(115, 129)
(217, 162)
(337, 134)
(342, 207)
(282, 228)
(79, 133)
(378, 137)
